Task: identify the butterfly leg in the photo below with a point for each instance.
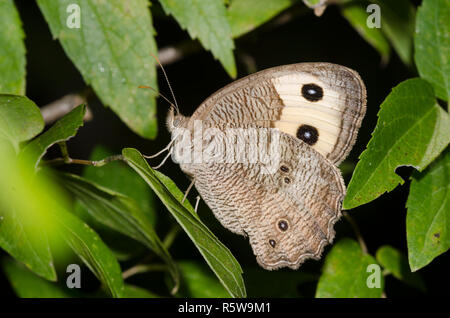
(197, 201)
(187, 191)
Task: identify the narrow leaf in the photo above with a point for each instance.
(207, 21)
(112, 50)
(12, 50)
(218, 257)
(62, 130)
(27, 285)
(92, 251)
(120, 213)
(411, 131)
(347, 273)
(356, 15)
(432, 45)
(397, 264)
(428, 221)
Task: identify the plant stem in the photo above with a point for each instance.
(68, 160)
(142, 268)
(357, 232)
(170, 237)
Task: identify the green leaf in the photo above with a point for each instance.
(20, 119)
(397, 23)
(119, 177)
(23, 208)
(218, 257)
(92, 251)
(120, 213)
(12, 50)
(432, 45)
(356, 15)
(28, 285)
(112, 50)
(207, 21)
(246, 15)
(137, 292)
(199, 282)
(346, 273)
(411, 131)
(314, 3)
(397, 264)
(428, 221)
(62, 130)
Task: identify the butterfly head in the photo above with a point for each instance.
(175, 120)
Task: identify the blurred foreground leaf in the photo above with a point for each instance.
(218, 257)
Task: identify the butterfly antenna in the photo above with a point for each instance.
(168, 83)
(159, 94)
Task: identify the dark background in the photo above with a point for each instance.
(305, 38)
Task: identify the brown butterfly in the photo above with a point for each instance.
(311, 112)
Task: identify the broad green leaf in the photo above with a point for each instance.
(92, 251)
(12, 50)
(356, 15)
(397, 23)
(137, 292)
(24, 205)
(112, 50)
(246, 15)
(397, 264)
(62, 130)
(199, 282)
(120, 213)
(427, 220)
(432, 45)
(207, 21)
(119, 177)
(20, 119)
(347, 273)
(218, 257)
(412, 130)
(27, 285)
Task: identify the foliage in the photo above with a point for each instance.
(49, 216)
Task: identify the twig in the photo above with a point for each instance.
(357, 232)
(68, 160)
(57, 109)
(141, 268)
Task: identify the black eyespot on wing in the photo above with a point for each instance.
(272, 243)
(308, 134)
(284, 169)
(287, 180)
(312, 92)
(283, 225)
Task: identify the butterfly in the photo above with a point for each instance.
(312, 113)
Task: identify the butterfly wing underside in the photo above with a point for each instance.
(288, 215)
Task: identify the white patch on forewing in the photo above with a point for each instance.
(325, 115)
